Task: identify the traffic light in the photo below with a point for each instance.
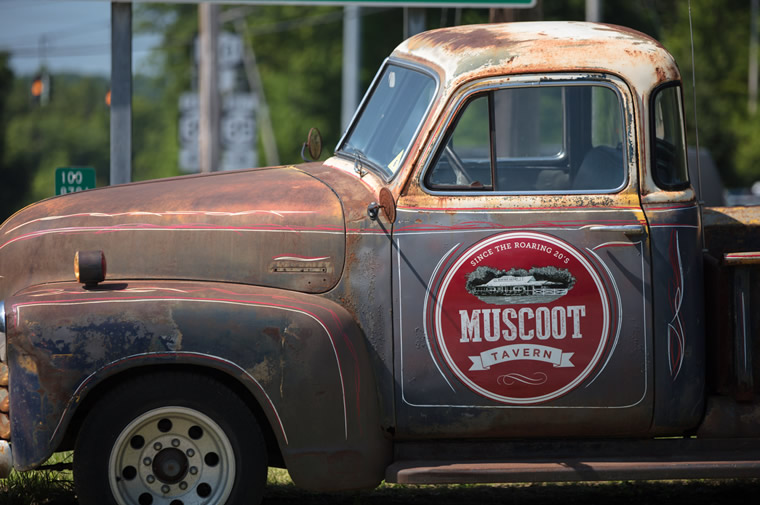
(40, 89)
(37, 88)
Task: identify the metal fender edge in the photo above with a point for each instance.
(301, 356)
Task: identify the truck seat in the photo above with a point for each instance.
(602, 169)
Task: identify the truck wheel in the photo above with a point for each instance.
(170, 439)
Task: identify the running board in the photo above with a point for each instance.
(421, 472)
(566, 461)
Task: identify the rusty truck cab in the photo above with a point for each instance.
(511, 142)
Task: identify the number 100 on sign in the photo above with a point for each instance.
(71, 180)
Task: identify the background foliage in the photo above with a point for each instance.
(299, 55)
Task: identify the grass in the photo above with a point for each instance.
(43, 487)
(281, 491)
(56, 488)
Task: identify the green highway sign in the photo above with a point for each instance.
(365, 3)
(73, 179)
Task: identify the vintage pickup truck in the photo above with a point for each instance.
(503, 274)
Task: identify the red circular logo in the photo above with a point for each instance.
(522, 318)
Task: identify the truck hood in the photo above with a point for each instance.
(277, 227)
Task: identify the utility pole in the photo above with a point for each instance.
(594, 10)
(41, 83)
(414, 21)
(501, 15)
(208, 89)
(121, 93)
(510, 14)
(254, 83)
(351, 62)
(753, 56)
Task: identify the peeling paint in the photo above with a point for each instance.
(467, 52)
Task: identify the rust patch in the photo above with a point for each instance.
(197, 226)
(731, 229)
(388, 204)
(264, 372)
(273, 333)
(459, 40)
(661, 74)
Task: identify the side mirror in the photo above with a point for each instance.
(313, 145)
(387, 203)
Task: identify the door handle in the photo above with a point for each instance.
(630, 230)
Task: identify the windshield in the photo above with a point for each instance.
(384, 130)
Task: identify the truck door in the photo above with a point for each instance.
(521, 267)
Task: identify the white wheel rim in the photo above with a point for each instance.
(171, 456)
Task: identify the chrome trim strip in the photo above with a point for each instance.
(2, 332)
(628, 229)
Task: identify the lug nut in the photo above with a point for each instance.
(190, 453)
(175, 442)
(165, 489)
(150, 479)
(183, 485)
(147, 461)
(193, 470)
(157, 446)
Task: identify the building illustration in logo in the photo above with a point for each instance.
(519, 286)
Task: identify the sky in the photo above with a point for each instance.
(68, 36)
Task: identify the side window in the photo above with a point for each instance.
(529, 137)
(606, 120)
(465, 161)
(602, 166)
(537, 139)
(669, 154)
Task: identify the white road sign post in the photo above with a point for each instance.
(237, 126)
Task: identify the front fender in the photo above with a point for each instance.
(301, 356)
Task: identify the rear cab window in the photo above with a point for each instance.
(669, 166)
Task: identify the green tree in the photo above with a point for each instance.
(154, 131)
(298, 54)
(14, 182)
(71, 130)
(721, 51)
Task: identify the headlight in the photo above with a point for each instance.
(2, 332)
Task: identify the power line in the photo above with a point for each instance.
(60, 34)
(292, 24)
(264, 29)
(24, 3)
(317, 19)
(89, 50)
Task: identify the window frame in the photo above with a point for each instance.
(653, 138)
(489, 85)
(488, 95)
(369, 164)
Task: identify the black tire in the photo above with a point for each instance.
(170, 438)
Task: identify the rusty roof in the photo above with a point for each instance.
(463, 53)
